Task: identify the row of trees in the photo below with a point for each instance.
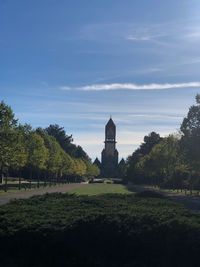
(173, 161)
(39, 153)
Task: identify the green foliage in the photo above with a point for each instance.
(162, 160)
(8, 138)
(7, 117)
(39, 152)
(108, 230)
(133, 170)
(91, 170)
(149, 194)
(20, 153)
(65, 142)
(173, 161)
(190, 141)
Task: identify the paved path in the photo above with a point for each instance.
(190, 202)
(7, 197)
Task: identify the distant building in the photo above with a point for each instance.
(109, 155)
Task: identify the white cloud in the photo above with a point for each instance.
(138, 38)
(133, 86)
(65, 88)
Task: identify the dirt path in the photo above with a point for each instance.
(7, 197)
(190, 202)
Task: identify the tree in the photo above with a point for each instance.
(7, 117)
(59, 134)
(133, 172)
(65, 142)
(91, 169)
(67, 164)
(190, 129)
(97, 163)
(53, 163)
(37, 153)
(20, 154)
(79, 167)
(8, 124)
(160, 164)
(122, 169)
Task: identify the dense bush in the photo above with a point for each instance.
(108, 230)
(149, 193)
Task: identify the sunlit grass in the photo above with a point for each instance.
(99, 189)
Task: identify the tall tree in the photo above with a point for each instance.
(37, 154)
(145, 148)
(65, 142)
(190, 141)
(8, 124)
(160, 164)
(59, 134)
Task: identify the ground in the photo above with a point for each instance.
(7, 197)
(98, 189)
(190, 202)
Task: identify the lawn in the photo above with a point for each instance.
(99, 189)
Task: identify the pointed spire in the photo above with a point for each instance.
(110, 122)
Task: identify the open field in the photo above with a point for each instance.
(101, 188)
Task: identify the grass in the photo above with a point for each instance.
(101, 188)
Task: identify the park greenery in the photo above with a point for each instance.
(40, 154)
(105, 230)
(172, 161)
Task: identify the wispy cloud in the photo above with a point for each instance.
(134, 86)
(65, 88)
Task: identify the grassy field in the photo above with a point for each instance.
(98, 189)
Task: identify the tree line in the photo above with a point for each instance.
(172, 161)
(40, 153)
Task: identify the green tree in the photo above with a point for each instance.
(65, 142)
(79, 167)
(8, 124)
(190, 129)
(160, 164)
(67, 167)
(91, 170)
(20, 155)
(122, 169)
(133, 171)
(37, 154)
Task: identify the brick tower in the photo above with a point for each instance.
(109, 155)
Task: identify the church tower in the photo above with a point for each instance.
(109, 156)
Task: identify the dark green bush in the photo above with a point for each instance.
(149, 193)
(108, 230)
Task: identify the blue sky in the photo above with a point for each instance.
(76, 62)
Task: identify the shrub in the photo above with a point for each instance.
(149, 194)
(109, 230)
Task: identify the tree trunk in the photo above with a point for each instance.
(6, 181)
(1, 175)
(19, 187)
(30, 179)
(38, 180)
(19, 181)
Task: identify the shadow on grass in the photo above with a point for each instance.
(144, 192)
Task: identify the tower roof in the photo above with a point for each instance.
(110, 123)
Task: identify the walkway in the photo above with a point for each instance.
(7, 197)
(190, 202)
